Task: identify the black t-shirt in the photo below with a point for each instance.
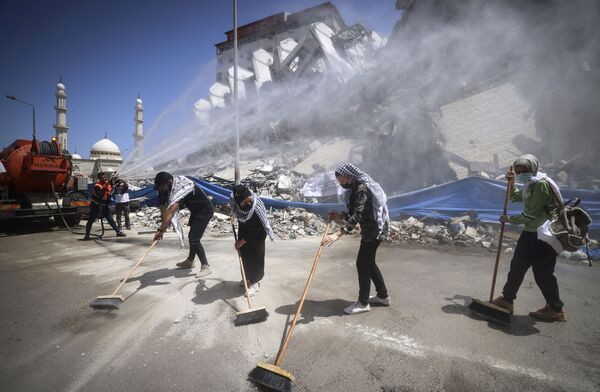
(197, 202)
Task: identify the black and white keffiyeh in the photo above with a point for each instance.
(182, 186)
(380, 209)
(257, 207)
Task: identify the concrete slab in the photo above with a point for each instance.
(327, 156)
(494, 121)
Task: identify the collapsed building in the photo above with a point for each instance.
(459, 88)
(501, 78)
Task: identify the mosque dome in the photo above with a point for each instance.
(139, 100)
(105, 149)
(60, 86)
(76, 156)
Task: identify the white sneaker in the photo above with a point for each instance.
(375, 300)
(356, 308)
(204, 270)
(253, 289)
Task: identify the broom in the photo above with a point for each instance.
(272, 376)
(113, 301)
(487, 308)
(252, 315)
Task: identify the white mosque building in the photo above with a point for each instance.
(105, 155)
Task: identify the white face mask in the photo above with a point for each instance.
(524, 178)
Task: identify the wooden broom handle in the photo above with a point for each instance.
(312, 272)
(134, 267)
(241, 265)
(508, 190)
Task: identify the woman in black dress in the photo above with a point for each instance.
(254, 227)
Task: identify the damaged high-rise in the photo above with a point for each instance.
(283, 48)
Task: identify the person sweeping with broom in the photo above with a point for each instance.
(539, 196)
(253, 229)
(184, 193)
(366, 205)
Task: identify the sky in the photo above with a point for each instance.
(109, 51)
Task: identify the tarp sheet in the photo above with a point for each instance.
(484, 196)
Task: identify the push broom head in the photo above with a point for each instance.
(107, 302)
(272, 377)
(490, 311)
(251, 316)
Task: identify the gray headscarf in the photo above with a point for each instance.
(532, 163)
(529, 161)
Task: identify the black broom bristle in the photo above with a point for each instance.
(250, 317)
(490, 311)
(270, 380)
(106, 303)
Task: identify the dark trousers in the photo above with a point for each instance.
(253, 258)
(95, 210)
(534, 253)
(122, 209)
(197, 226)
(368, 271)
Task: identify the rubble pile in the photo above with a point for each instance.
(275, 181)
(287, 224)
(295, 223)
(140, 183)
(463, 231)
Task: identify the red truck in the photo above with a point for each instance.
(36, 181)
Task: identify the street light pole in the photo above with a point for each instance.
(13, 98)
(235, 95)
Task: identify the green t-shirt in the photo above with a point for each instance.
(540, 205)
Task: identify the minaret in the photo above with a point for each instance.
(61, 116)
(139, 128)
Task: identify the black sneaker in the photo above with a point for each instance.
(86, 238)
(121, 234)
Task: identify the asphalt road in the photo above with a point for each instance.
(175, 332)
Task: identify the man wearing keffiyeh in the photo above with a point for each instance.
(254, 227)
(366, 205)
(184, 193)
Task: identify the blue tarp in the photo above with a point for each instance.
(484, 196)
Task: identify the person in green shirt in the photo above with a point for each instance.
(539, 196)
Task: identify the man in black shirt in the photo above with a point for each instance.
(366, 205)
(183, 193)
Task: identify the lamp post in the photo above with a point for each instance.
(235, 95)
(13, 98)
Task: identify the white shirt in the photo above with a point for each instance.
(122, 198)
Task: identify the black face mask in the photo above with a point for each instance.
(247, 207)
(346, 186)
(163, 196)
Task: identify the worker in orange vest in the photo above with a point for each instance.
(99, 205)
